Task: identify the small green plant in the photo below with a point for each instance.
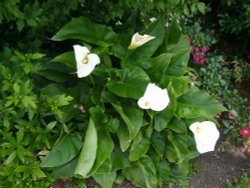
(242, 182)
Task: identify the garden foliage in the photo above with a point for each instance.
(56, 123)
(108, 135)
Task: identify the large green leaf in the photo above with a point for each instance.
(149, 172)
(56, 72)
(178, 125)
(134, 174)
(66, 149)
(89, 150)
(140, 144)
(164, 170)
(170, 152)
(157, 66)
(105, 147)
(195, 103)
(132, 83)
(119, 159)
(180, 147)
(158, 143)
(106, 180)
(174, 32)
(179, 84)
(82, 28)
(178, 65)
(65, 171)
(123, 136)
(67, 58)
(132, 117)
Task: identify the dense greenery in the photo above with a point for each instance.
(55, 124)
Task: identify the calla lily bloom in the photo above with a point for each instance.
(206, 135)
(154, 98)
(85, 61)
(138, 40)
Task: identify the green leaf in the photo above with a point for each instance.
(67, 58)
(140, 144)
(65, 171)
(179, 84)
(174, 32)
(132, 117)
(170, 152)
(134, 174)
(157, 66)
(149, 172)
(178, 126)
(19, 135)
(89, 151)
(195, 103)
(105, 180)
(132, 84)
(178, 65)
(123, 136)
(82, 28)
(158, 143)
(119, 159)
(105, 147)
(10, 158)
(180, 147)
(201, 7)
(164, 170)
(29, 102)
(66, 149)
(163, 118)
(56, 72)
(37, 173)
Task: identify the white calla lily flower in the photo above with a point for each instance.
(138, 40)
(206, 135)
(154, 98)
(85, 61)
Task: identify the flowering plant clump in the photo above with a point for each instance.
(130, 115)
(198, 54)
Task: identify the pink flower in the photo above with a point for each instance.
(190, 39)
(245, 132)
(192, 48)
(205, 49)
(230, 115)
(202, 60)
(217, 117)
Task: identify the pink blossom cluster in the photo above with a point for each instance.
(245, 131)
(198, 53)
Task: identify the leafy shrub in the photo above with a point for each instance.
(120, 139)
(26, 120)
(41, 19)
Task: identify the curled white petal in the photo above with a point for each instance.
(154, 98)
(85, 62)
(206, 135)
(138, 40)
